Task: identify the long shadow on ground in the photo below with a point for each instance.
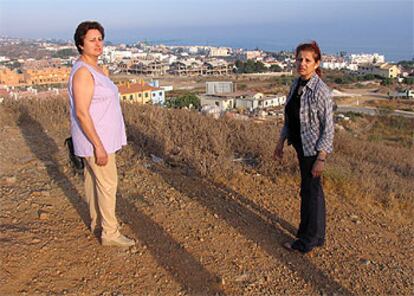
(46, 150)
(239, 212)
(186, 270)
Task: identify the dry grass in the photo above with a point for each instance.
(386, 130)
(406, 105)
(361, 171)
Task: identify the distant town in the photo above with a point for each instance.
(41, 68)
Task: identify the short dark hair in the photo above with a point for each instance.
(82, 29)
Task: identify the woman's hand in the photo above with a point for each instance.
(318, 167)
(101, 157)
(278, 154)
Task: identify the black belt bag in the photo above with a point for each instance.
(76, 161)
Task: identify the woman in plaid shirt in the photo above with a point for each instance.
(309, 129)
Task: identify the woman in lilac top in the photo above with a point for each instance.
(98, 131)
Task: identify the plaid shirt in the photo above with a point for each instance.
(316, 117)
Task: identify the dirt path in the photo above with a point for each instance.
(193, 237)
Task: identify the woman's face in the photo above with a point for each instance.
(92, 43)
(306, 64)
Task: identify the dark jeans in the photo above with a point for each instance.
(311, 231)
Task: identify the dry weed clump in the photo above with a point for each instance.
(365, 169)
(402, 104)
(359, 170)
(213, 148)
(51, 113)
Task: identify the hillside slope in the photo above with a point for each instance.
(198, 231)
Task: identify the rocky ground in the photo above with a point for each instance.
(194, 237)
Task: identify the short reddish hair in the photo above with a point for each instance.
(313, 47)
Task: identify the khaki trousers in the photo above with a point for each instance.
(100, 190)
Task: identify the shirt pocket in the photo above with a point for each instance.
(313, 115)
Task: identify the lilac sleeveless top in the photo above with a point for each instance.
(106, 113)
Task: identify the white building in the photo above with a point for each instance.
(193, 50)
(157, 93)
(243, 100)
(219, 52)
(333, 65)
(352, 67)
(225, 103)
(374, 58)
(252, 55)
(158, 96)
(259, 101)
(219, 87)
(384, 70)
(111, 54)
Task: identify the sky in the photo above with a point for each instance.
(384, 26)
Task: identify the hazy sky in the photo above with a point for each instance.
(348, 24)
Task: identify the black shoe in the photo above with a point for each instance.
(298, 246)
(301, 246)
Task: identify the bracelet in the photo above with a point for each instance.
(320, 159)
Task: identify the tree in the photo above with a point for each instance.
(240, 66)
(409, 80)
(186, 100)
(15, 65)
(339, 80)
(386, 81)
(250, 66)
(408, 65)
(275, 68)
(65, 53)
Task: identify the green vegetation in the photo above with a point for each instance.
(342, 77)
(250, 67)
(14, 65)
(186, 100)
(409, 65)
(275, 68)
(65, 53)
(386, 81)
(409, 81)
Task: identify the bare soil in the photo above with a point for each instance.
(194, 236)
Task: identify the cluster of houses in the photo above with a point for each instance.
(35, 72)
(220, 94)
(182, 61)
(363, 64)
(159, 60)
(184, 67)
(141, 92)
(384, 70)
(223, 95)
(350, 62)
